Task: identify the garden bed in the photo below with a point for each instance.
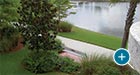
(70, 55)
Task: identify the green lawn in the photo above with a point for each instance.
(107, 41)
(10, 64)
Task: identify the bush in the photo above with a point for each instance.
(68, 65)
(57, 46)
(47, 61)
(8, 36)
(41, 62)
(64, 26)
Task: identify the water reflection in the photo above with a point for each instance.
(102, 17)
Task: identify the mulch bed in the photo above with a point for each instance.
(70, 55)
(19, 45)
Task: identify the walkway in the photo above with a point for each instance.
(86, 48)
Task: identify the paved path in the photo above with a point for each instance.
(86, 48)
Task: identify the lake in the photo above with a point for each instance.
(102, 17)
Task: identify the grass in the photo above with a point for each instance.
(84, 35)
(99, 65)
(10, 64)
(96, 65)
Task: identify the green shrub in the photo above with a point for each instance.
(8, 36)
(47, 61)
(64, 26)
(41, 62)
(67, 65)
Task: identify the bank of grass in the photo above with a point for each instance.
(84, 35)
(10, 64)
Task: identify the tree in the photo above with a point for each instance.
(128, 24)
(129, 21)
(38, 24)
(8, 10)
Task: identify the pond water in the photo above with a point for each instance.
(101, 17)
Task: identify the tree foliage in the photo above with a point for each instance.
(8, 10)
(63, 6)
(38, 23)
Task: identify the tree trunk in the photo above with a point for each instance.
(129, 22)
